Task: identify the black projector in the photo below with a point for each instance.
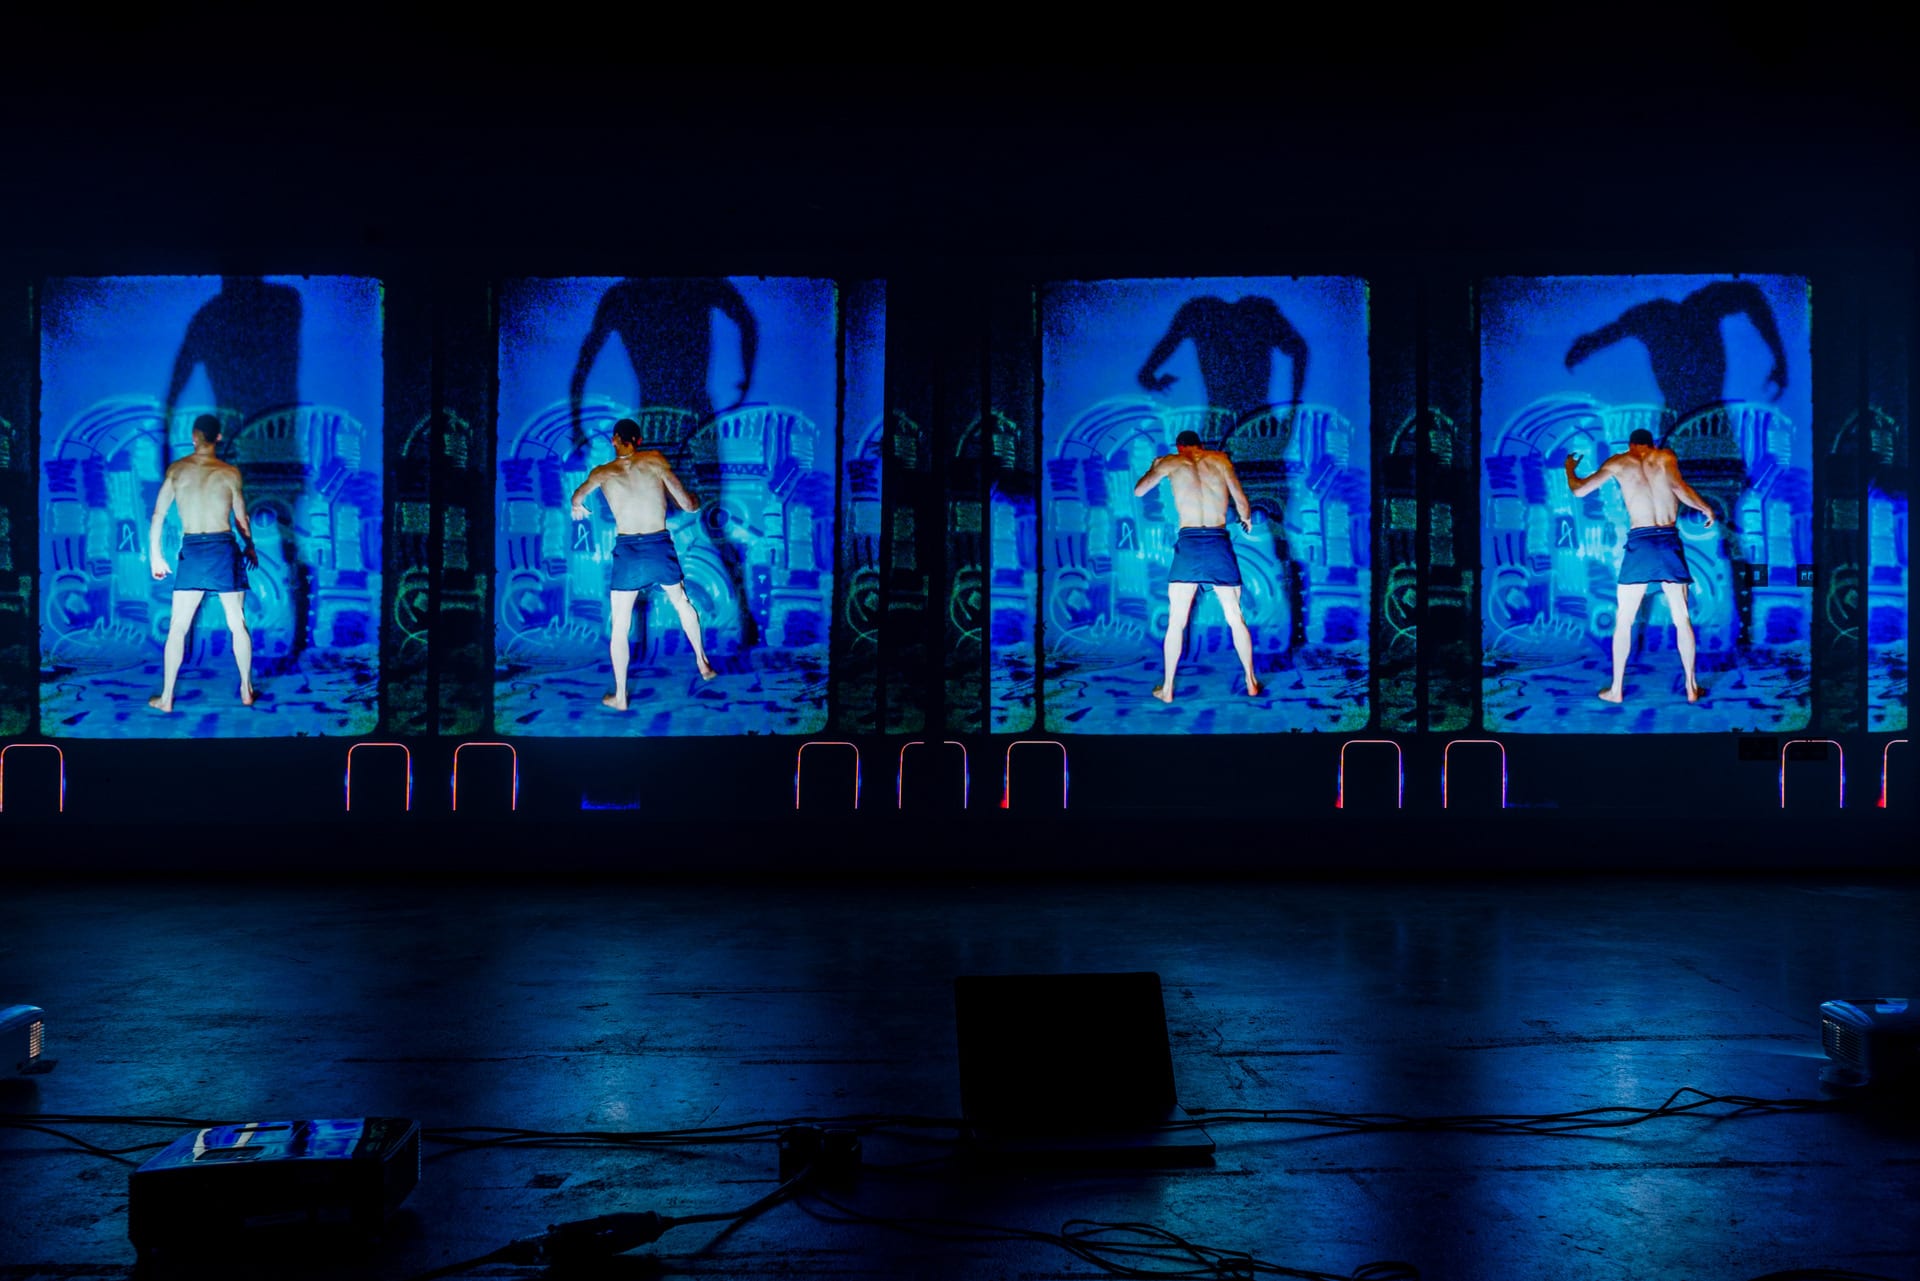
(207, 1186)
(23, 1031)
(1873, 1041)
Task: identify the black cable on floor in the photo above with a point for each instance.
(467, 1138)
(585, 1241)
(1580, 1121)
(470, 1138)
(112, 1154)
(1106, 1245)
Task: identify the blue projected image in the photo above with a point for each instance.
(1716, 370)
(733, 384)
(1013, 576)
(1272, 371)
(289, 368)
(1887, 577)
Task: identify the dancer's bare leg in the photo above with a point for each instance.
(1179, 606)
(618, 648)
(1676, 594)
(690, 624)
(179, 627)
(1628, 596)
(234, 604)
(1229, 598)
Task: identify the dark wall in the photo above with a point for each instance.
(442, 164)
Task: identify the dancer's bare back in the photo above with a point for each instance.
(1650, 485)
(1203, 483)
(207, 491)
(212, 500)
(637, 488)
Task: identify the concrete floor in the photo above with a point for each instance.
(566, 1006)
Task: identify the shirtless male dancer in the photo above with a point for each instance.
(1203, 481)
(209, 492)
(637, 483)
(1651, 485)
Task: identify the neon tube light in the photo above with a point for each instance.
(27, 746)
(514, 800)
(1006, 779)
(356, 747)
(1783, 767)
(900, 775)
(1463, 742)
(799, 759)
(1883, 769)
(1399, 771)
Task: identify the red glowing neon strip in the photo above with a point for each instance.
(799, 759)
(409, 755)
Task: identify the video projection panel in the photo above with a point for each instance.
(856, 657)
(1272, 371)
(1887, 572)
(1716, 370)
(1013, 571)
(733, 384)
(289, 368)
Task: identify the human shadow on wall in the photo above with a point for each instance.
(666, 328)
(1234, 344)
(247, 339)
(1688, 355)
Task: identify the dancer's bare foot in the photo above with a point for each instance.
(160, 704)
(1693, 693)
(247, 696)
(706, 670)
(1162, 693)
(616, 701)
(1611, 695)
(1255, 688)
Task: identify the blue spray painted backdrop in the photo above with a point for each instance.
(1013, 574)
(735, 382)
(292, 367)
(1275, 372)
(1719, 369)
